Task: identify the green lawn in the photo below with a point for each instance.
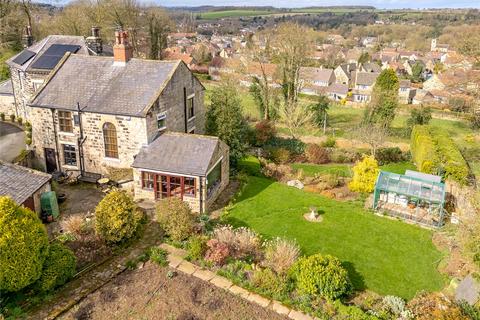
(399, 167)
(383, 255)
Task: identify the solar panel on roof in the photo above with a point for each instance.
(60, 49)
(23, 57)
(49, 59)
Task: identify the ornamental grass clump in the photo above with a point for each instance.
(242, 242)
(321, 275)
(280, 255)
(117, 217)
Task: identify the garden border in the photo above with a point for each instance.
(177, 262)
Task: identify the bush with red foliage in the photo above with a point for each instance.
(316, 154)
(264, 131)
(217, 252)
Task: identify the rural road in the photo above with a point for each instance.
(12, 141)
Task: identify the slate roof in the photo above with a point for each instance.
(41, 46)
(19, 182)
(405, 83)
(316, 74)
(371, 67)
(6, 88)
(338, 88)
(366, 78)
(179, 153)
(100, 86)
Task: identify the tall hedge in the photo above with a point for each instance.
(433, 151)
(59, 267)
(23, 246)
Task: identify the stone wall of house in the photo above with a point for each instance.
(7, 105)
(172, 102)
(131, 136)
(222, 152)
(24, 86)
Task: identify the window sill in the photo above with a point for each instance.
(71, 134)
(70, 167)
(111, 159)
(162, 129)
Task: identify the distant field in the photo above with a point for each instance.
(211, 15)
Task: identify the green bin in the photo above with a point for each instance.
(50, 204)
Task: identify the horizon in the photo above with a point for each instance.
(286, 4)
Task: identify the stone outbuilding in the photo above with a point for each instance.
(192, 167)
(23, 185)
(7, 100)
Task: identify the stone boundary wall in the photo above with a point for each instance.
(463, 198)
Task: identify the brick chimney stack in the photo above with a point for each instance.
(122, 50)
(27, 37)
(94, 42)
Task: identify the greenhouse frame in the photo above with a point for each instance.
(415, 197)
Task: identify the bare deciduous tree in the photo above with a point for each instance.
(373, 135)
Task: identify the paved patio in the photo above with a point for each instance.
(12, 141)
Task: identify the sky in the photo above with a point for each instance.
(307, 3)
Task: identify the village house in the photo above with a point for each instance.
(94, 115)
(437, 47)
(198, 179)
(25, 186)
(343, 73)
(7, 99)
(337, 91)
(315, 80)
(405, 92)
(363, 86)
(31, 67)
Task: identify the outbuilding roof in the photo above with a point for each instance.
(19, 182)
(179, 153)
(100, 86)
(6, 88)
(366, 78)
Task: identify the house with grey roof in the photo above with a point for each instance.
(363, 85)
(31, 67)
(93, 114)
(315, 79)
(343, 73)
(7, 100)
(192, 167)
(23, 185)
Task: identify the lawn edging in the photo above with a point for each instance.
(176, 261)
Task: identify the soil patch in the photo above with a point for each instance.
(147, 293)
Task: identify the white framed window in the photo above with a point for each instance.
(162, 121)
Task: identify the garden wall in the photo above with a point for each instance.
(463, 199)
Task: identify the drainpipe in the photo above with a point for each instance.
(57, 156)
(81, 140)
(201, 194)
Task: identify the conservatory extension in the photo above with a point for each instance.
(416, 197)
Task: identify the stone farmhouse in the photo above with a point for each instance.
(30, 68)
(363, 85)
(93, 116)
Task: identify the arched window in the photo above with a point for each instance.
(110, 140)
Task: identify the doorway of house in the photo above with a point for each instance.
(50, 160)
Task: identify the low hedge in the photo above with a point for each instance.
(434, 152)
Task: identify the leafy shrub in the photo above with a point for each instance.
(196, 248)
(242, 242)
(294, 146)
(237, 271)
(280, 172)
(23, 246)
(321, 275)
(344, 156)
(271, 284)
(159, 256)
(59, 267)
(217, 252)
(20, 120)
(280, 255)
(389, 155)
(264, 132)
(365, 174)
(279, 155)
(423, 150)
(28, 141)
(331, 142)
(316, 154)
(176, 218)
(2, 116)
(28, 126)
(426, 306)
(117, 217)
(12, 117)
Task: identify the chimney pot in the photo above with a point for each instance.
(94, 42)
(27, 37)
(122, 50)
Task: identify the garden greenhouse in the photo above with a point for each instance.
(416, 197)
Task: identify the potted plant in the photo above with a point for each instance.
(12, 118)
(2, 116)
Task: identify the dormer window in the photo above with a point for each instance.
(162, 121)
